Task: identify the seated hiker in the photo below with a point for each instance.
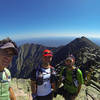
(72, 79)
(8, 49)
(43, 78)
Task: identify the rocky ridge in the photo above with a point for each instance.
(87, 56)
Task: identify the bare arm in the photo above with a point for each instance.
(12, 95)
(33, 86)
(53, 86)
(79, 88)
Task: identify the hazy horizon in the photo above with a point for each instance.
(21, 19)
(53, 42)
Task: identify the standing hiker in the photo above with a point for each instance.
(7, 50)
(72, 79)
(43, 78)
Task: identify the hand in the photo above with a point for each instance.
(34, 96)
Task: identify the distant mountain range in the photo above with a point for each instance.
(87, 56)
(56, 41)
(85, 51)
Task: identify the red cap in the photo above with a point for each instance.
(47, 53)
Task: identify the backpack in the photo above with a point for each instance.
(74, 76)
(40, 80)
(7, 76)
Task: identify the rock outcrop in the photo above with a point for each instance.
(87, 56)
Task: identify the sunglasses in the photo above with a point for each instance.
(69, 61)
(47, 53)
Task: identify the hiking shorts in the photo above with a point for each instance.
(47, 97)
(66, 94)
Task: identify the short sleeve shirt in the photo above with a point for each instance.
(5, 79)
(45, 88)
(69, 85)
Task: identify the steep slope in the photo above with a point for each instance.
(87, 56)
(28, 58)
(79, 45)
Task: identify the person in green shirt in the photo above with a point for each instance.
(7, 50)
(72, 79)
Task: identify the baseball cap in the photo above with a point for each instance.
(47, 53)
(9, 45)
(70, 57)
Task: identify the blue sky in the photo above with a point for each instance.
(21, 19)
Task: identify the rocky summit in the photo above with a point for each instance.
(87, 56)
